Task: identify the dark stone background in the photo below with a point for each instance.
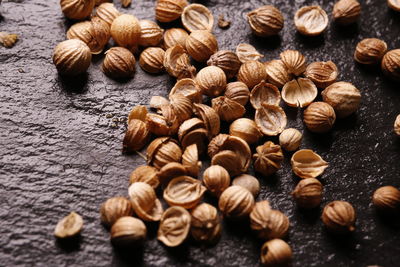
(61, 146)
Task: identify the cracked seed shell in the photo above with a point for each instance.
(370, 51)
(190, 159)
(265, 21)
(169, 10)
(162, 151)
(188, 88)
(145, 202)
(205, 224)
(270, 119)
(346, 12)
(308, 164)
(138, 113)
(152, 60)
(77, 9)
(171, 171)
(236, 202)
(339, 217)
(290, 139)
(197, 17)
(268, 158)
(227, 109)
(299, 93)
(308, 193)
(177, 63)
(247, 52)
(184, 191)
(8, 40)
(201, 45)
(72, 57)
(252, 73)
(119, 63)
(128, 232)
(216, 178)
(210, 118)
(227, 60)
(174, 226)
(311, 20)
(394, 4)
(113, 209)
(322, 73)
(319, 117)
(264, 93)
(276, 252)
(69, 226)
(344, 97)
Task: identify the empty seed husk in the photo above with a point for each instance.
(197, 17)
(145, 202)
(113, 209)
(177, 63)
(236, 202)
(370, 51)
(308, 193)
(227, 60)
(174, 226)
(184, 191)
(169, 10)
(265, 21)
(245, 129)
(128, 232)
(322, 73)
(205, 224)
(299, 93)
(248, 182)
(276, 252)
(190, 159)
(216, 179)
(268, 158)
(188, 88)
(308, 164)
(290, 139)
(247, 52)
(264, 93)
(344, 97)
(270, 119)
(191, 132)
(162, 151)
(319, 117)
(311, 20)
(339, 217)
(69, 226)
(386, 198)
(210, 118)
(394, 4)
(138, 113)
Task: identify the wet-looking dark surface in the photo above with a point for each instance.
(61, 139)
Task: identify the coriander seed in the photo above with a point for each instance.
(169, 10)
(228, 61)
(290, 139)
(339, 217)
(268, 158)
(370, 51)
(171, 171)
(69, 226)
(265, 21)
(245, 129)
(201, 45)
(107, 12)
(227, 109)
(177, 63)
(346, 12)
(397, 125)
(294, 61)
(119, 63)
(175, 36)
(247, 52)
(211, 80)
(113, 209)
(391, 64)
(126, 31)
(205, 224)
(277, 73)
(394, 4)
(236, 202)
(150, 33)
(162, 151)
(146, 174)
(187, 87)
(344, 97)
(72, 57)
(128, 232)
(308, 193)
(319, 117)
(152, 60)
(8, 40)
(322, 73)
(145, 202)
(237, 91)
(252, 73)
(276, 252)
(77, 9)
(216, 179)
(210, 118)
(270, 119)
(248, 182)
(386, 198)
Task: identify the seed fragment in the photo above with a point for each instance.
(69, 226)
(311, 20)
(308, 164)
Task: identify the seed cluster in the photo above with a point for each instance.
(186, 126)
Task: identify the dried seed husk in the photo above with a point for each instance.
(276, 252)
(152, 60)
(107, 12)
(169, 10)
(77, 9)
(308, 164)
(308, 193)
(211, 80)
(227, 109)
(246, 129)
(344, 97)
(197, 17)
(170, 171)
(162, 151)
(339, 217)
(227, 60)
(229, 160)
(252, 73)
(190, 159)
(184, 191)
(294, 61)
(113, 209)
(188, 88)
(205, 224)
(270, 119)
(69, 226)
(277, 73)
(145, 174)
(268, 158)
(394, 4)
(150, 33)
(138, 113)
(265, 21)
(128, 232)
(174, 226)
(238, 91)
(319, 117)
(248, 182)
(136, 137)
(391, 64)
(8, 40)
(182, 106)
(268, 223)
(163, 125)
(177, 63)
(247, 52)
(188, 126)
(72, 57)
(264, 93)
(175, 36)
(322, 73)
(235, 144)
(126, 31)
(397, 125)
(387, 198)
(222, 22)
(145, 202)
(216, 178)
(311, 20)
(290, 139)
(370, 51)
(95, 33)
(236, 202)
(346, 12)
(157, 102)
(210, 118)
(299, 93)
(119, 63)
(191, 132)
(201, 45)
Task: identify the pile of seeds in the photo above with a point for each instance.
(182, 129)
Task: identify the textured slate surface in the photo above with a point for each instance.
(61, 146)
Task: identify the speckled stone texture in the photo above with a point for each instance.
(61, 146)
